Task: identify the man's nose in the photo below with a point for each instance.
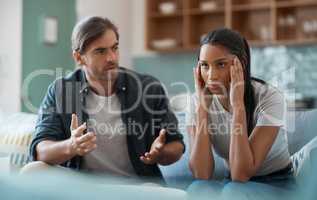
(111, 56)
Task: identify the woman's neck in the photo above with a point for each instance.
(225, 102)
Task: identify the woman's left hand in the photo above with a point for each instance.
(236, 84)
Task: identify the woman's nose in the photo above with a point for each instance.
(212, 74)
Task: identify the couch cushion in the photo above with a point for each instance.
(15, 137)
(61, 186)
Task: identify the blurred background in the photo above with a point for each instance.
(158, 37)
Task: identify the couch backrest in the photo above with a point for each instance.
(16, 131)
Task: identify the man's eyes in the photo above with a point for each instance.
(101, 51)
(115, 48)
(104, 51)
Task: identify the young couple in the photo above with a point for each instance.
(252, 144)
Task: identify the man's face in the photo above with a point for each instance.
(101, 58)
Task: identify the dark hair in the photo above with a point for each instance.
(237, 45)
(88, 30)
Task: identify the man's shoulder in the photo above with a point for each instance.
(76, 75)
(59, 83)
(144, 78)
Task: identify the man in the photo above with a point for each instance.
(103, 118)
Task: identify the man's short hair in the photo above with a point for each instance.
(90, 29)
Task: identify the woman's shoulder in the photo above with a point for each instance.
(266, 92)
(270, 104)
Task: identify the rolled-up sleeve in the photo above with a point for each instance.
(49, 124)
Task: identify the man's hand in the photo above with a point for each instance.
(155, 153)
(79, 143)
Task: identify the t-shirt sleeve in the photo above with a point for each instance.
(271, 109)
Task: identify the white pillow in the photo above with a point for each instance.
(302, 161)
(16, 131)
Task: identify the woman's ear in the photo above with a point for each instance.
(78, 58)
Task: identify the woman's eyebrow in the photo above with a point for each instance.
(220, 59)
(216, 60)
(204, 61)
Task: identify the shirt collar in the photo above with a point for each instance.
(119, 84)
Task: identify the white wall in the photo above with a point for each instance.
(119, 12)
(10, 55)
(138, 28)
(138, 21)
(128, 15)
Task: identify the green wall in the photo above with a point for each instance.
(36, 55)
(292, 68)
(173, 70)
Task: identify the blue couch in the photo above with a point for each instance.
(302, 128)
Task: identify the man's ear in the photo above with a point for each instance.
(78, 58)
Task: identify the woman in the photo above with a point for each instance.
(239, 118)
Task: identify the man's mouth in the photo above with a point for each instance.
(110, 67)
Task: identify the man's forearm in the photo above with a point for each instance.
(171, 152)
(53, 152)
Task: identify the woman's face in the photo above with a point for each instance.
(214, 63)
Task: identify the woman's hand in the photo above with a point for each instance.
(204, 95)
(237, 84)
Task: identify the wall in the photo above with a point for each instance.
(292, 69)
(10, 54)
(42, 63)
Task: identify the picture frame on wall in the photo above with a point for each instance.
(49, 32)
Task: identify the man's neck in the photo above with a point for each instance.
(102, 88)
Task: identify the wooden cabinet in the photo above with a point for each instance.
(179, 25)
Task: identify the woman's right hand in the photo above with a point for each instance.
(204, 95)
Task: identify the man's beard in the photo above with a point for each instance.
(109, 74)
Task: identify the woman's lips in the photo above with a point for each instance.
(213, 84)
(213, 87)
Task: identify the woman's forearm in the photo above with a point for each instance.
(201, 158)
(241, 159)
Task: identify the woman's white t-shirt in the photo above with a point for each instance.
(270, 111)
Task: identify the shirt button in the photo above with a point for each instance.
(123, 88)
